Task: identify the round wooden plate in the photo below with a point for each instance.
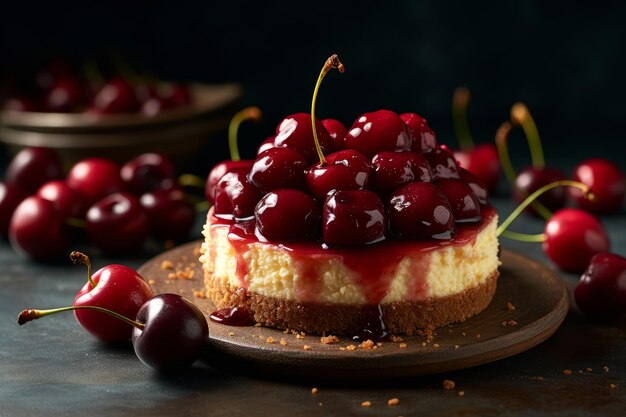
(539, 297)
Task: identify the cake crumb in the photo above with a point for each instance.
(464, 334)
(393, 401)
(448, 384)
(231, 333)
(423, 344)
(257, 325)
(367, 344)
(510, 306)
(461, 393)
(509, 323)
(456, 347)
(379, 344)
(605, 368)
(167, 281)
(396, 338)
(199, 294)
(171, 275)
(436, 345)
(567, 372)
(366, 404)
(196, 251)
(314, 391)
(299, 336)
(402, 345)
(329, 340)
(283, 342)
(350, 347)
(320, 404)
(477, 335)
(613, 386)
(167, 265)
(342, 348)
(589, 369)
(307, 347)
(270, 340)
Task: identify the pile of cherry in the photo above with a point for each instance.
(117, 208)
(60, 89)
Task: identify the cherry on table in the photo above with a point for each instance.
(353, 217)
(381, 130)
(442, 163)
(296, 132)
(147, 172)
(235, 196)
(337, 132)
(287, 214)
(30, 168)
(606, 181)
(10, 197)
(343, 170)
(463, 202)
(65, 200)
(278, 168)
(601, 292)
(95, 178)
(171, 215)
(531, 179)
(394, 169)
(423, 138)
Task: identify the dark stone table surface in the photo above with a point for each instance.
(53, 368)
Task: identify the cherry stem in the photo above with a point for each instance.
(92, 74)
(29, 315)
(81, 258)
(520, 115)
(332, 62)
(201, 206)
(76, 222)
(523, 237)
(191, 180)
(249, 113)
(460, 102)
(584, 188)
(125, 69)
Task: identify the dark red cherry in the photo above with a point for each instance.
(66, 95)
(116, 96)
(573, 237)
(95, 178)
(601, 292)
(344, 170)
(10, 197)
(423, 138)
(382, 130)
(171, 215)
(221, 169)
(337, 132)
(296, 132)
(477, 186)
(394, 169)
(153, 106)
(57, 69)
(531, 179)
(20, 104)
(278, 168)
(175, 95)
(32, 167)
(265, 145)
(65, 200)
(37, 230)
(463, 202)
(117, 224)
(482, 161)
(147, 172)
(235, 196)
(442, 163)
(420, 210)
(607, 183)
(287, 214)
(353, 217)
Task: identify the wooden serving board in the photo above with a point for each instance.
(537, 292)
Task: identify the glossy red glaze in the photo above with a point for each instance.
(235, 196)
(601, 292)
(30, 168)
(219, 171)
(171, 215)
(482, 161)
(337, 132)
(606, 181)
(95, 178)
(65, 200)
(394, 169)
(296, 132)
(10, 198)
(344, 170)
(423, 138)
(353, 217)
(287, 214)
(381, 130)
(233, 316)
(531, 179)
(278, 168)
(463, 202)
(442, 163)
(147, 172)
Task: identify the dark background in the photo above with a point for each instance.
(564, 59)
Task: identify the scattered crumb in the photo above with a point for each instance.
(605, 368)
(342, 348)
(580, 371)
(270, 340)
(171, 275)
(436, 345)
(314, 391)
(186, 273)
(307, 347)
(199, 294)
(320, 404)
(151, 282)
(456, 346)
(589, 369)
(329, 340)
(461, 393)
(510, 306)
(510, 323)
(231, 333)
(423, 344)
(167, 265)
(167, 281)
(257, 325)
(299, 336)
(396, 338)
(366, 404)
(402, 345)
(283, 342)
(367, 344)
(196, 251)
(567, 372)
(393, 401)
(613, 386)
(350, 347)
(464, 334)
(379, 344)
(448, 384)
(477, 335)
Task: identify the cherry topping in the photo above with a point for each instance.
(463, 202)
(10, 198)
(420, 210)
(65, 200)
(378, 131)
(235, 196)
(233, 316)
(442, 163)
(296, 132)
(353, 217)
(32, 167)
(95, 178)
(394, 169)
(219, 171)
(531, 179)
(607, 182)
(337, 132)
(477, 186)
(147, 172)
(423, 138)
(287, 214)
(601, 292)
(171, 215)
(344, 170)
(278, 168)
(265, 145)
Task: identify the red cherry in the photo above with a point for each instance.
(66, 95)
(531, 179)
(607, 183)
(601, 292)
(420, 210)
(423, 138)
(265, 145)
(463, 202)
(573, 237)
(21, 104)
(296, 132)
(353, 217)
(287, 214)
(37, 230)
(482, 161)
(337, 132)
(175, 95)
(95, 178)
(10, 198)
(117, 224)
(235, 196)
(219, 171)
(378, 131)
(344, 170)
(116, 96)
(442, 163)
(65, 200)
(147, 172)
(394, 169)
(278, 168)
(153, 106)
(477, 186)
(32, 167)
(171, 215)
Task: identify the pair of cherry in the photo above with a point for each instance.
(168, 331)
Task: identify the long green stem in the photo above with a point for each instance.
(249, 113)
(460, 102)
(29, 315)
(331, 62)
(521, 116)
(81, 258)
(524, 237)
(506, 223)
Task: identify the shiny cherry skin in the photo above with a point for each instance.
(606, 181)
(278, 168)
(117, 224)
(235, 196)
(118, 288)
(344, 170)
(148, 171)
(337, 132)
(153, 106)
(573, 237)
(10, 197)
(477, 186)
(482, 161)
(221, 169)
(601, 292)
(531, 179)
(295, 132)
(175, 332)
(116, 96)
(37, 230)
(66, 95)
(463, 202)
(420, 210)
(171, 215)
(95, 178)
(286, 215)
(381, 130)
(423, 138)
(394, 169)
(30, 168)
(65, 200)
(353, 217)
(442, 163)
(265, 145)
